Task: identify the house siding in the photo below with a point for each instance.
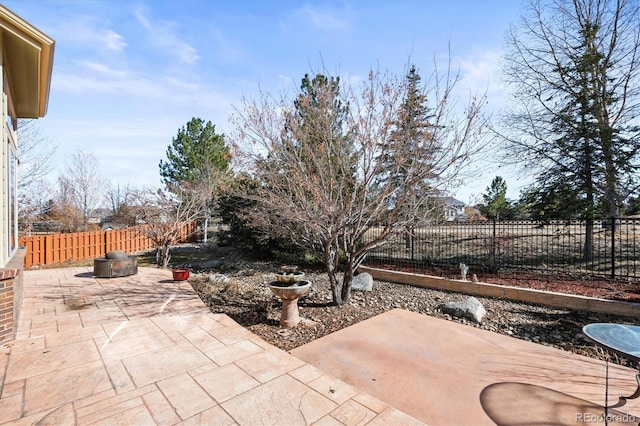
(4, 161)
(26, 63)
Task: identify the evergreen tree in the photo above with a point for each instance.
(537, 204)
(412, 139)
(575, 67)
(320, 118)
(195, 153)
(495, 202)
(197, 162)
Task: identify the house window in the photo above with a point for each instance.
(12, 202)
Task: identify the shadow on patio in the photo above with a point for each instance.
(144, 349)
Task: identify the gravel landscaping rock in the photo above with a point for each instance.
(250, 303)
(362, 282)
(470, 308)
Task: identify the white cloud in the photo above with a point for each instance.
(104, 69)
(94, 79)
(103, 81)
(325, 20)
(87, 31)
(112, 40)
(180, 84)
(480, 72)
(163, 35)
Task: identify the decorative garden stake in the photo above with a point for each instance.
(464, 269)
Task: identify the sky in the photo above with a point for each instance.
(128, 74)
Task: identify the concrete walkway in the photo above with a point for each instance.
(145, 350)
(445, 373)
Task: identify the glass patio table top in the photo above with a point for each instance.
(622, 339)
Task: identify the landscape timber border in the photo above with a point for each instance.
(518, 294)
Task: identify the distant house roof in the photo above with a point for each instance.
(474, 214)
(113, 225)
(27, 55)
(452, 202)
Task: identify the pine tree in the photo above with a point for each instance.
(195, 152)
(575, 66)
(496, 205)
(412, 146)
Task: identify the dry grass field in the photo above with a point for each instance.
(556, 247)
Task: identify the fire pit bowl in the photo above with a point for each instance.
(115, 266)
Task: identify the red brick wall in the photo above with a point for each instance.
(11, 292)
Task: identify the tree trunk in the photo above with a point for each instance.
(588, 241)
(331, 265)
(347, 279)
(163, 255)
(335, 291)
(590, 203)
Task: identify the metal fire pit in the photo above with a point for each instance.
(115, 265)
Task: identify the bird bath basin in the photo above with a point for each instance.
(289, 293)
(289, 277)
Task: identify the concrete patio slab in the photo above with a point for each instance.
(445, 373)
(145, 350)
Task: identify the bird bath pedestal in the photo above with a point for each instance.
(289, 288)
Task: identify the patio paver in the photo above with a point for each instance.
(145, 350)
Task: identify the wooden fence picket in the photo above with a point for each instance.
(60, 248)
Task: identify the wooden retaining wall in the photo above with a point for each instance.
(518, 294)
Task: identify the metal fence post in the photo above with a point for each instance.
(613, 247)
(413, 242)
(493, 245)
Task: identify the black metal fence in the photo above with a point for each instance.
(515, 246)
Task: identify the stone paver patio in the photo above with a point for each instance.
(145, 350)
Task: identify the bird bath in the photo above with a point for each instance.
(289, 278)
(290, 287)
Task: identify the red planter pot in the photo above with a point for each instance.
(180, 274)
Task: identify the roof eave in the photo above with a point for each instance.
(28, 56)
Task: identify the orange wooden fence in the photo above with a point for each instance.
(60, 248)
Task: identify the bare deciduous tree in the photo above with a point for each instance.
(165, 212)
(36, 152)
(63, 211)
(327, 172)
(123, 202)
(33, 201)
(81, 185)
(575, 69)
